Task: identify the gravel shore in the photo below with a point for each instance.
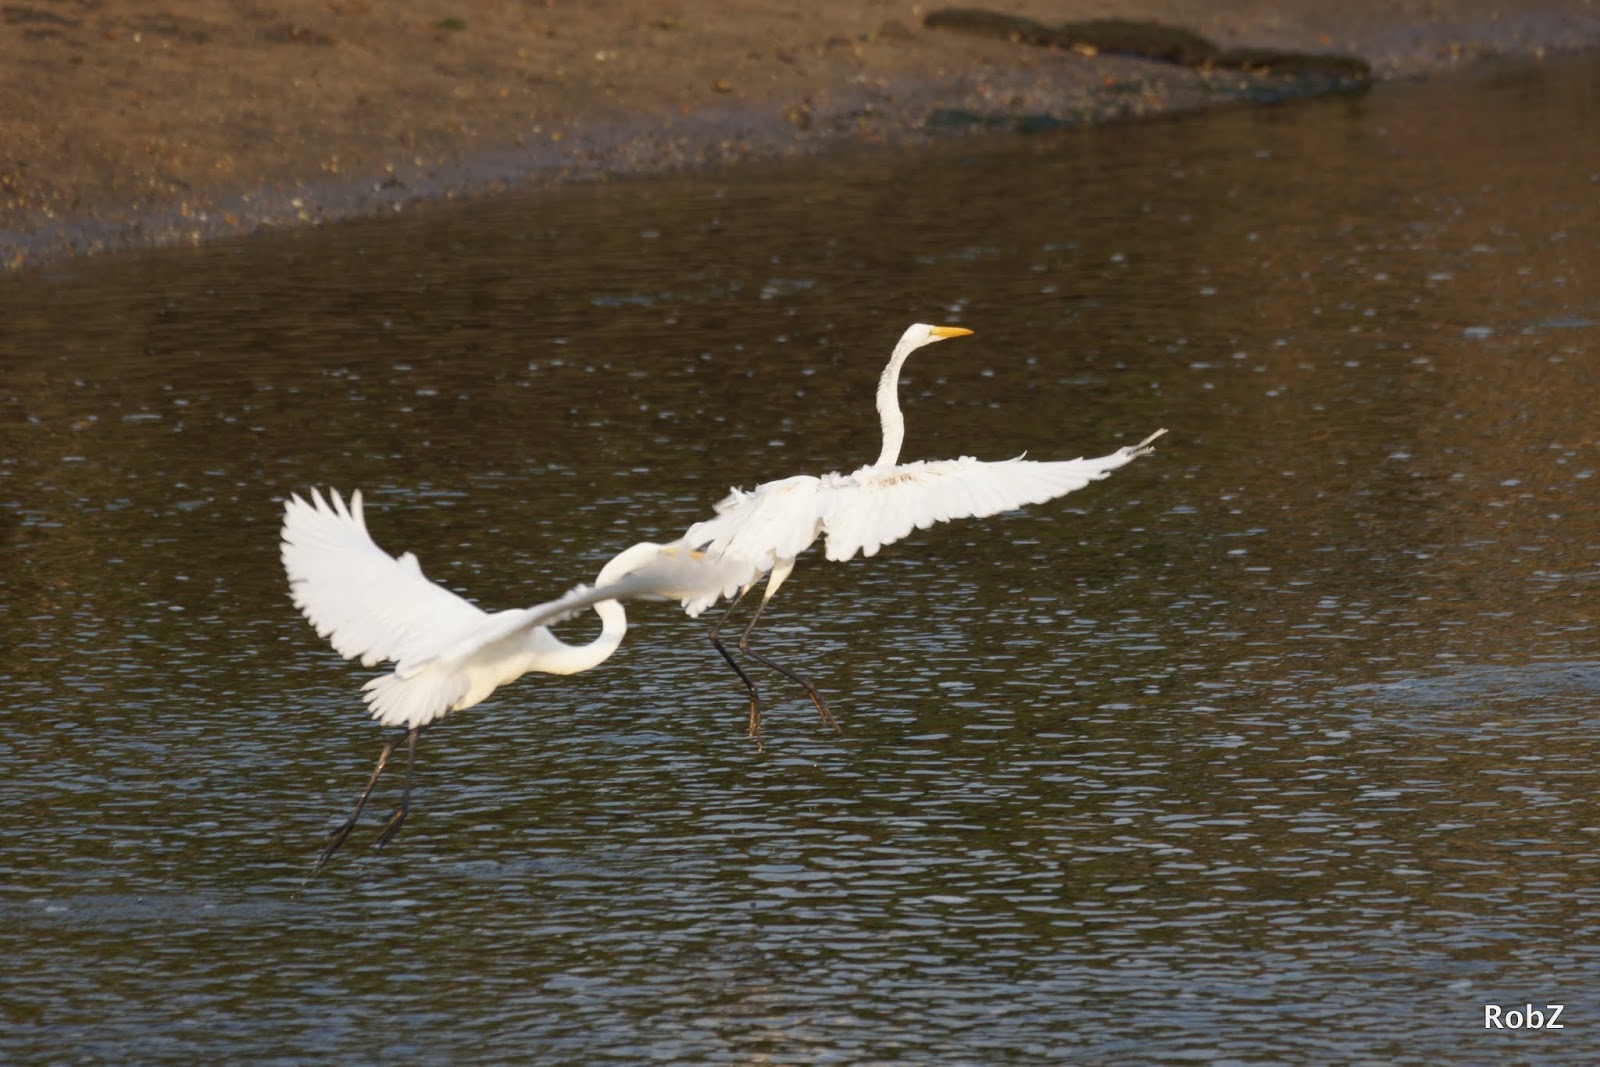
(128, 124)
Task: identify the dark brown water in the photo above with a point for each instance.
(1279, 746)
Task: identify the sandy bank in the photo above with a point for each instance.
(125, 123)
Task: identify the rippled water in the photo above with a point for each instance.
(1279, 745)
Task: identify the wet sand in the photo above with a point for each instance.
(128, 124)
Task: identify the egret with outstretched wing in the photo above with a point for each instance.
(770, 525)
(448, 654)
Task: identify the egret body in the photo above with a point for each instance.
(772, 524)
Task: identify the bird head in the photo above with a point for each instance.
(922, 334)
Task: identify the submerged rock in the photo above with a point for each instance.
(1148, 40)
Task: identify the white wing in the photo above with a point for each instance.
(508, 644)
(449, 654)
(773, 522)
(873, 507)
(363, 600)
(668, 572)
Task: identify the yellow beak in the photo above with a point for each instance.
(949, 331)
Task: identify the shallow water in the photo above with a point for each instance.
(1279, 745)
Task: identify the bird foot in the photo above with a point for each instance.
(754, 732)
(392, 826)
(827, 716)
(334, 842)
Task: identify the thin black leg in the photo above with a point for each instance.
(811, 690)
(749, 686)
(350, 824)
(399, 814)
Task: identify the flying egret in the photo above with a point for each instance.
(448, 654)
(861, 512)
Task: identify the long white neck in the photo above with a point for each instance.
(558, 657)
(894, 424)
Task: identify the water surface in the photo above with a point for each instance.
(1277, 746)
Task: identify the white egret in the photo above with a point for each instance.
(861, 512)
(449, 654)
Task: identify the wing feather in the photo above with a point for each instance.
(672, 573)
(367, 603)
(873, 507)
(760, 529)
(775, 521)
(876, 506)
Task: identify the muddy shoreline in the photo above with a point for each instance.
(126, 125)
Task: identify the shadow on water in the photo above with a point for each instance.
(1278, 744)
